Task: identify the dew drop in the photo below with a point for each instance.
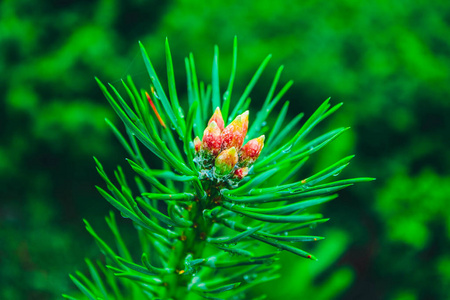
(225, 95)
(201, 285)
(232, 224)
(264, 123)
(249, 278)
(288, 149)
(211, 261)
(181, 112)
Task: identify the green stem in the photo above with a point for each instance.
(192, 241)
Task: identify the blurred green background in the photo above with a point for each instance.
(388, 61)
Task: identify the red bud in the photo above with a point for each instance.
(240, 173)
(250, 152)
(233, 135)
(197, 144)
(212, 139)
(217, 117)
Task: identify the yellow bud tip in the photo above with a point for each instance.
(213, 125)
(232, 151)
(197, 144)
(244, 116)
(244, 120)
(262, 138)
(217, 117)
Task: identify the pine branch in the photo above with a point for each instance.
(217, 195)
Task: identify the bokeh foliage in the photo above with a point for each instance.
(388, 62)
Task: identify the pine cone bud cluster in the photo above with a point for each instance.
(221, 149)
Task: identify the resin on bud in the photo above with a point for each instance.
(240, 173)
(217, 117)
(226, 161)
(212, 139)
(197, 144)
(250, 152)
(233, 135)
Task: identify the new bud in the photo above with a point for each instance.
(250, 152)
(197, 144)
(233, 135)
(240, 173)
(226, 161)
(212, 140)
(217, 117)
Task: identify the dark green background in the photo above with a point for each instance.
(388, 61)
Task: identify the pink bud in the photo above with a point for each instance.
(197, 144)
(233, 135)
(226, 161)
(217, 117)
(212, 139)
(240, 173)
(250, 152)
